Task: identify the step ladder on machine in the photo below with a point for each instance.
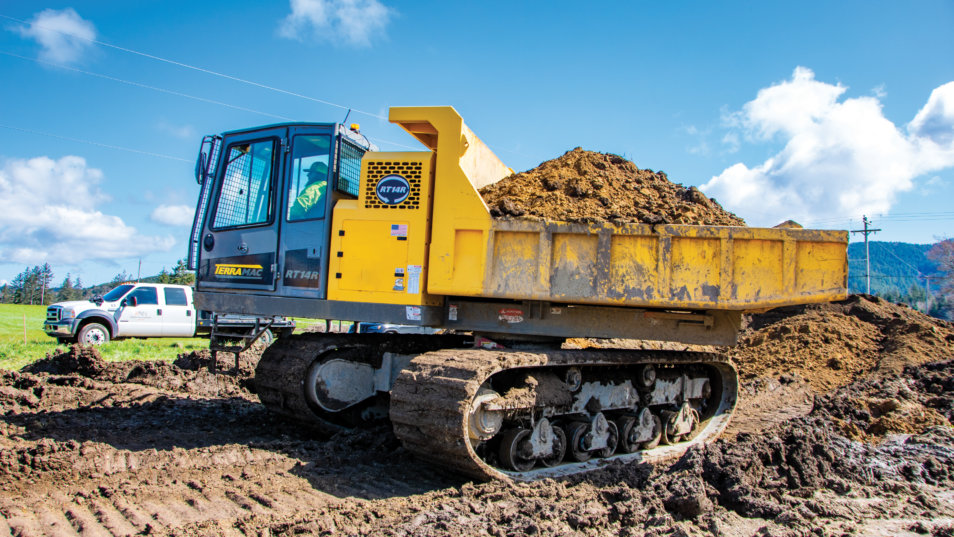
(224, 338)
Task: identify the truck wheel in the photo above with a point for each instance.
(93, 334)
(267, 337)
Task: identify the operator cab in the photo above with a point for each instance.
(264, 216)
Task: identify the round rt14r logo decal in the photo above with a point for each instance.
(392, 189)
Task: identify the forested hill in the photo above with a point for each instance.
(894, 266)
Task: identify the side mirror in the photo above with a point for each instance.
(200, 167)
(131, 301)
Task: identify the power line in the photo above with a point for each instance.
(90, 142)
(180, 94)
(146, 86)
(196, 68)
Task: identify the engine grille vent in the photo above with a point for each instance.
(53, 313)
(412, 171)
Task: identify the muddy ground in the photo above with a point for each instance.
(844, 428)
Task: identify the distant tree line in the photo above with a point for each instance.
(942, 253)
(33, 285)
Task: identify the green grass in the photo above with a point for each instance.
(14, 353)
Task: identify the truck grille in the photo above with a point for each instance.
(376, 170)
(53, 314)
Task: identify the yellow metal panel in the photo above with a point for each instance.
(633, 262)
(468, 264)
(696, 267)
(757, 269)
(821, 268)
(371, 256)
(574, 265)
(383, 248)
(514, 264)
(462, 162)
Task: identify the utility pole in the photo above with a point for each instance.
(867, 231)
(927, 286)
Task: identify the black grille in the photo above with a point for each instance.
(349, 168)
(409, 170)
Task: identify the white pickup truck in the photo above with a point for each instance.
(143, 310)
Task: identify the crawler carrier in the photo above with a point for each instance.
(404, 237)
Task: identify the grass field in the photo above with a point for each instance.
(14, 353)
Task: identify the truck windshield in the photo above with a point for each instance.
(117, 293)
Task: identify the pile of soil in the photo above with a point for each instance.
(586, 186)
(833, 344)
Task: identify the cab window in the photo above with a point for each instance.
(117, 293)
(245, 195)
(175, 296)
(144, 296)
(308, 182)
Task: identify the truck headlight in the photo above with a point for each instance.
(69, 313)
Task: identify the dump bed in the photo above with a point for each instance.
(663, 266)
(636, 265)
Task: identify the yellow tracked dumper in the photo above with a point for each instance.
(310, 220)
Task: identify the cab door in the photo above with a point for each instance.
(140, 314)
(306, 213)
(240, 233)
(178, 319)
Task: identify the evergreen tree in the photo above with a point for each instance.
(943, 254)
(182, 275)
(67, 291)
(122, 277)
(165, 276)
(44, 279)
(80, 292)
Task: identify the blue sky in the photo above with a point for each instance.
(819, 111)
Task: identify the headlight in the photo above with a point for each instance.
(69, 313)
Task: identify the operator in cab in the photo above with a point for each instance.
(309, 204)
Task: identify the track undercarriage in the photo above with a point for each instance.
(505, 414)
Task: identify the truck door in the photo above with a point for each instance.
(139, 313)
(240, 234)
(178, 316)
(303, 246)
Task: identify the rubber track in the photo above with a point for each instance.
(430, 403)
(280, 374)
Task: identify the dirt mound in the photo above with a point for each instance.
(78, 359)
(833, 344)
(585, 186)
(918, 399)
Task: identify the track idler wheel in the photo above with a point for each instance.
(575, 432)
(641, 431)
(515, 450)
(598, 437)
(521, 448)
(678, 426)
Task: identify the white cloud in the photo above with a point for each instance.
(355, 22)
(48, 214)
(64, 35)
(173, 215)
(841, 158)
